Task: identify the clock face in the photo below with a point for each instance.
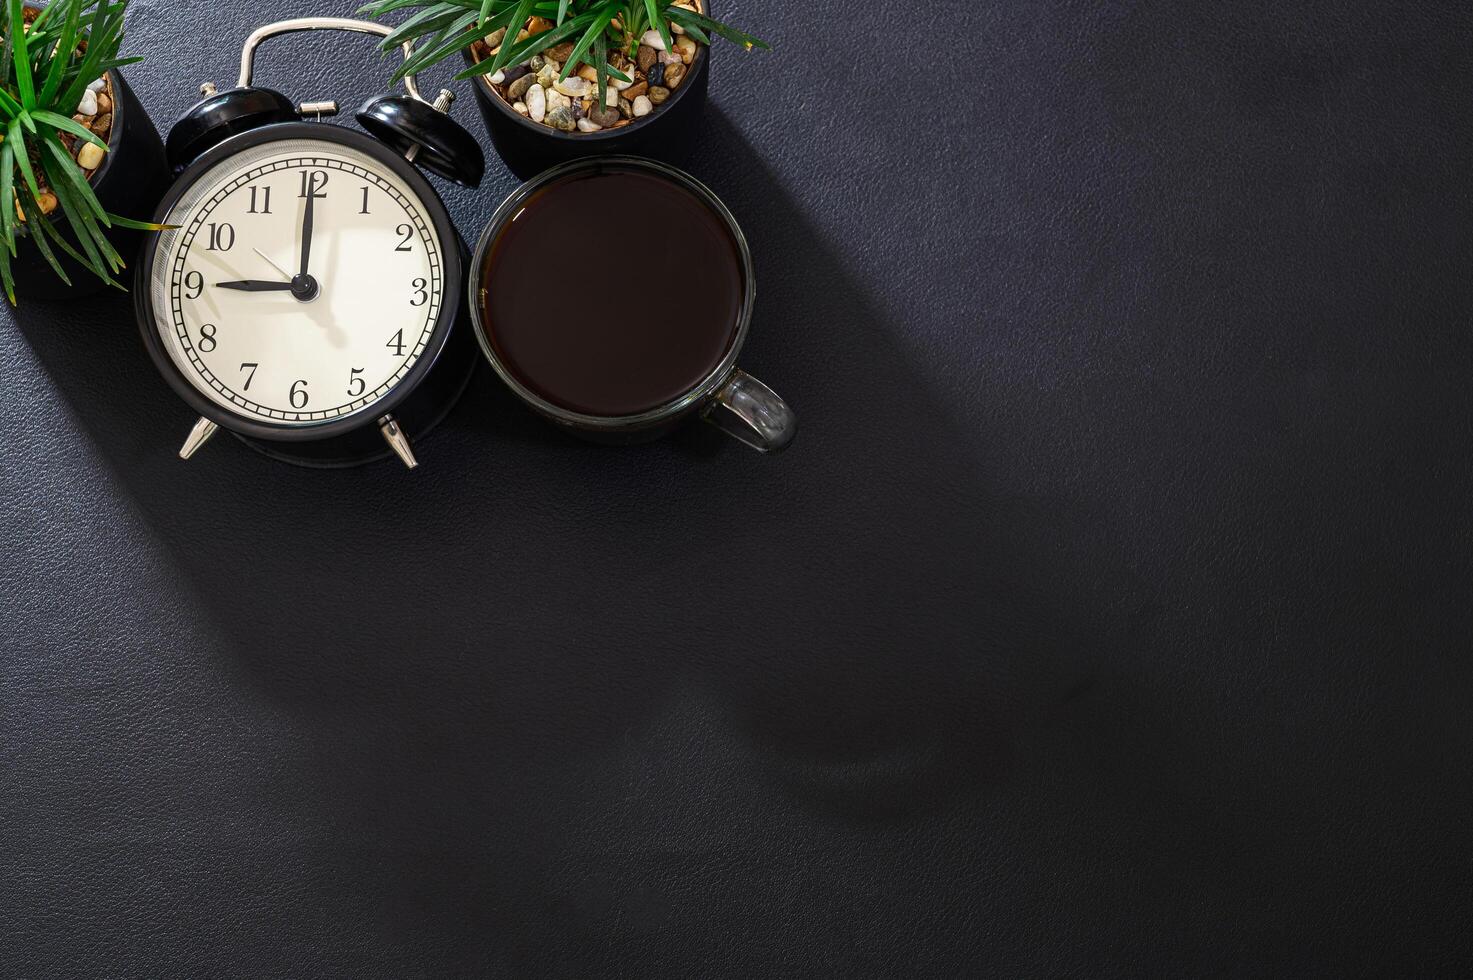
(289, 318)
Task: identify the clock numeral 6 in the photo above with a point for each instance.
(313, 181)
(250, 377)
(408, 232)
(222, 237)
(207, 338)
(298, 394)
(356, 386)
(195, 283)
(421, 295)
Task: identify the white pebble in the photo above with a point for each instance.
(670, 58)
(620, 85)
(555, 99)
(498, 78)
(89, 156)
(572, 86)
(536, 103)
(653, 39)
(586, 125)
(642, 106)
(96, 85)
(519, 107)
(676, 28)
(88, 105)
(611, 97)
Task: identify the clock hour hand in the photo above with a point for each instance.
(255, 286)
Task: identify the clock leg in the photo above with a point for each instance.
(397, 440)
(198, 436)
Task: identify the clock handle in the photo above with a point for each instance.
(248, 52)
(397, 441)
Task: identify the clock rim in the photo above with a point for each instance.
(450, 249)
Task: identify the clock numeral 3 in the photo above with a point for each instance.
(356, 386)
(316, 181)
(298, 394)
(396, 342)
(195, 283)
(265, 200)
(252, 365)
(222, 237)
(408, 232)
(421, 295)
(207, 338)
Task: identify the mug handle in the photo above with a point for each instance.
(751, 413)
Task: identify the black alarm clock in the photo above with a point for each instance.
(311, 278)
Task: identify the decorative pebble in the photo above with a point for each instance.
(562, 118)
(656, 74)
(603, 115)
(519, 107)
(536, 103)
(620, 84)
(626, 108)
(96, 84)
(555, 99)
(88, 105)
(47, 200)
(104, 102)
(636, 91)
(653, 39)
(89, 156)
(611, 96)
(673, 75)
(518, 88)
(515, 72)
(646, 57)
(658, 94)
(642, 106)
(687, 48)
(588, 126)
(573, 87)
(536, 62)
(561, 52)
(546, 75)
(588, 73)
(498, 77)
(494, 38)
(670, 58)
(102, 123)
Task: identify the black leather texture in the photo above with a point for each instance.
(1110, 615)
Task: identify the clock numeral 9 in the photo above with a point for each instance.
(313, 181)
(408, 232)
(421, 295)
(207, 338)
(222, 238)
(298, 394)
(195, 283)
(356, 386)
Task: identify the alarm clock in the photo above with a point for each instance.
(310, 279)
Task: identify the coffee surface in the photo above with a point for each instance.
(612, 293)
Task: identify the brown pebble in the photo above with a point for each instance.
(635, 91)
(104, 102)
(674, 74)
(647, 56)
(48, 202)
(587, 73)
(102, 123)
(518, 88)
(658, 94)
(626, 108)
(559, 52)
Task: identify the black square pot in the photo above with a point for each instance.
(131, 181)
(529, 148)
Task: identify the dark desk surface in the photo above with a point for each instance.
(1110, 615)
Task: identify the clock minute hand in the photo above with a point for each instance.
(307, 227)
(255, 285)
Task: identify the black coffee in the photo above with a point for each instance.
(612, 293)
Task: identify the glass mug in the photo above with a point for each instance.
(588, 366)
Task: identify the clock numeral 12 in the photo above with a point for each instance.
(313, 181)
(222, 237)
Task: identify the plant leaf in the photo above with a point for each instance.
(26, 89)
(659, 24)
(68, 124)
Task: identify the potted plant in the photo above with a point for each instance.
(560, 79)
(76, 145)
